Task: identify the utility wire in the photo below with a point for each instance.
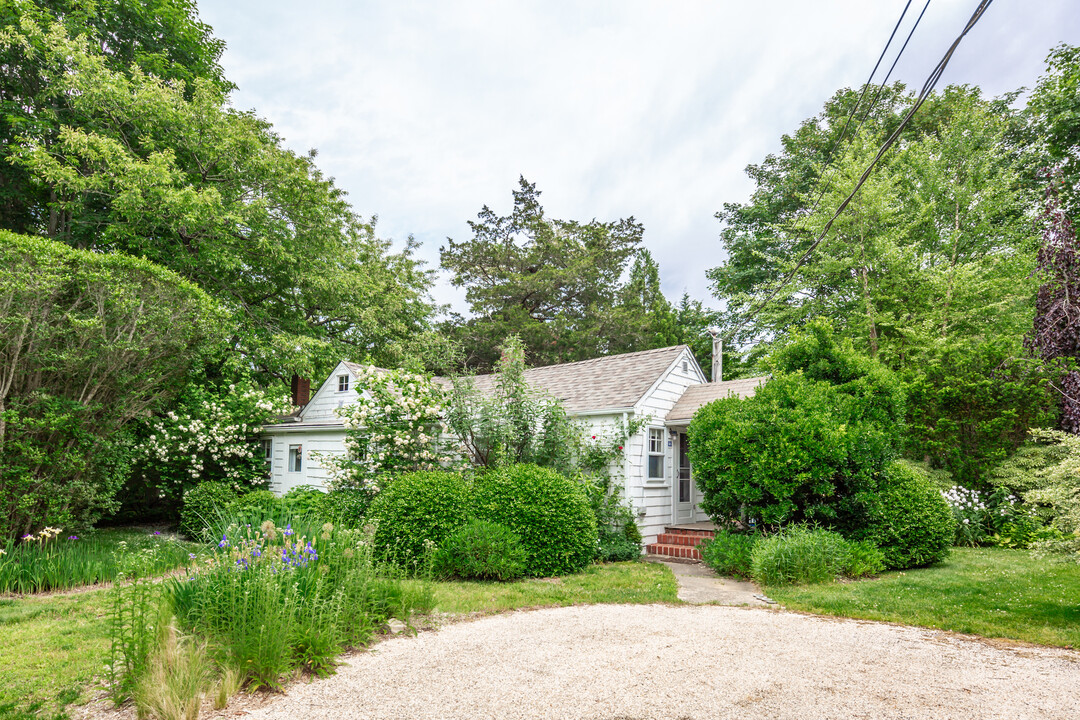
(862, 96)
(927, 87)
(873, 103)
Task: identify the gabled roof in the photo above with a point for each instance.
(698, 395)
(616, 382)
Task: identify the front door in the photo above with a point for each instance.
(684, 484)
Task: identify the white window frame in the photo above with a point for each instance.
(268, 454)
(655, 449)
(295, 459)
(343, 383)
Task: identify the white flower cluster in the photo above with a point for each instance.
(213, 434)
(394, 426)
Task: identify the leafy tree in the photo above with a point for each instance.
(555, 283)
(508, 422)
(164, 169)
(1055, 336)
(163, 37)
(89, 341)
(935, 248)
(1055, 111)
(971, 406)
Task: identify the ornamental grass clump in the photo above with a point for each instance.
(729, 553)
(270, 601)
(803, 555)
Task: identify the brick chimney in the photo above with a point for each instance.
(301, 391)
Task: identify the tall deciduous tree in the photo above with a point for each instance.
(163, 37)
(936, 247)
(163, 169)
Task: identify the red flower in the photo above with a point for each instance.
(593, 437)
(620, 447)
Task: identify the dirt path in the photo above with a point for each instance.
(656, 661)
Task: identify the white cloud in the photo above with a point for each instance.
(425, 111)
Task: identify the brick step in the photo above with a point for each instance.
(674, 530)
(667, 538)
(676, 551)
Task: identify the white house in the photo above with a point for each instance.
(666, 385)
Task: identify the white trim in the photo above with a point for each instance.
(609, 411)
(302, 427)
(340, 369)
(670, 368)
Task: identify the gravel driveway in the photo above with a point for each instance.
(656, 661)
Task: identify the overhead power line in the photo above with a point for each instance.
(927, 88)
(877, 96)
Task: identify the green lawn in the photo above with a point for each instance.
(52, 647)
(989, 592)
(625, 582)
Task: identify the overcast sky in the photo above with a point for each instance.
(426, 111)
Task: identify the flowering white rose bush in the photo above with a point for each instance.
(393, 428)
(209, 435)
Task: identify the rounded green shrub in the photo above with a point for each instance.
(808, 446)
(910, 522)
(418, 508)
(798, 555)
(548, 511)
(256, 506)
(481, 550)
(306, 500)
(203, 505)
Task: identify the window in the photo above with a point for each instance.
(656, 453)
(685, 366)
(343, 383)
(268, 453)
(296, 458)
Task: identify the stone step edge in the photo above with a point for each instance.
(672, 530)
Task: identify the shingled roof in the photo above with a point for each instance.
(698, 395)
(615, 382)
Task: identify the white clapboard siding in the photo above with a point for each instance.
(654, 496)
(327, 399)
(313, 441)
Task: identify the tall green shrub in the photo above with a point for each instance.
(970, 406)
(89, 341)
(808, 446)
(549, 512)
(910, 522)
(416, 510)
